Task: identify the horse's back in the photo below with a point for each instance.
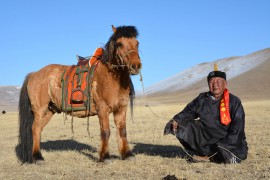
(53, 68)
(48, 72)
(44, 85)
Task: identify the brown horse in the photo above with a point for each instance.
(111, 88)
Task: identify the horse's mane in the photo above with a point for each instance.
(110, 47)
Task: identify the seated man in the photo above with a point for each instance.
(212, 125)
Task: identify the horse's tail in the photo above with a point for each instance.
(26, 119)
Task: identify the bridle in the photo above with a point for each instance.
(120, 60)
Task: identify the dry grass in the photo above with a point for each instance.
(156, 155)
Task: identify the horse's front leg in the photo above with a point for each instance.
(120, 122)
(103, 115)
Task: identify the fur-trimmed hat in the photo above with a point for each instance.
(216, 73)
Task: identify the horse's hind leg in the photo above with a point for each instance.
(41, 118)
(120, 122)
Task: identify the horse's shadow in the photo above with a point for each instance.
(71, 145)
(65, 145)
(168, 151)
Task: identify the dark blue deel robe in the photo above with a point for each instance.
(201, 132)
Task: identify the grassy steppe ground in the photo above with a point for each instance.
(156, 155)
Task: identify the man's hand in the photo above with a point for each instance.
(174, 125)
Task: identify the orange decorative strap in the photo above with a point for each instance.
(225, 117)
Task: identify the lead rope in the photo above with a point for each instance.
(207, 157)
(174, 133)
(230, 152)
(146, 101)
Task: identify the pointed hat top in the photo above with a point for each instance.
(215, 67)
(216, 73)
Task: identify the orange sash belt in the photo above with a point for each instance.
(224, 108)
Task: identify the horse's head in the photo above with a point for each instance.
(122, 49)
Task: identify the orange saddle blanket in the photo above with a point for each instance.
(76, 83)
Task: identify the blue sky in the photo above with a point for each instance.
(174, 34)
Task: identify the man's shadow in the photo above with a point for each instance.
(167, 151)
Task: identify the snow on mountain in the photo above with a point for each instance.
(233, 66)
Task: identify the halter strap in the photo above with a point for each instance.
(121, 57)
(128, 52)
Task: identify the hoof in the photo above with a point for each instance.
(39, 162)
(37, 157)
(105, 156)
(129, 154)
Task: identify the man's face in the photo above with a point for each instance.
(217, 85)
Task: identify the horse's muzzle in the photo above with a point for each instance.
(134, 69)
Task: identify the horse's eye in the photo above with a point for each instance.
(119, 44)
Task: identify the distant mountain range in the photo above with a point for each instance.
(9, 98)
(248, 77)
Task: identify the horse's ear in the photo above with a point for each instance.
(114, 29)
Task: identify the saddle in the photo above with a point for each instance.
(76, 83)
